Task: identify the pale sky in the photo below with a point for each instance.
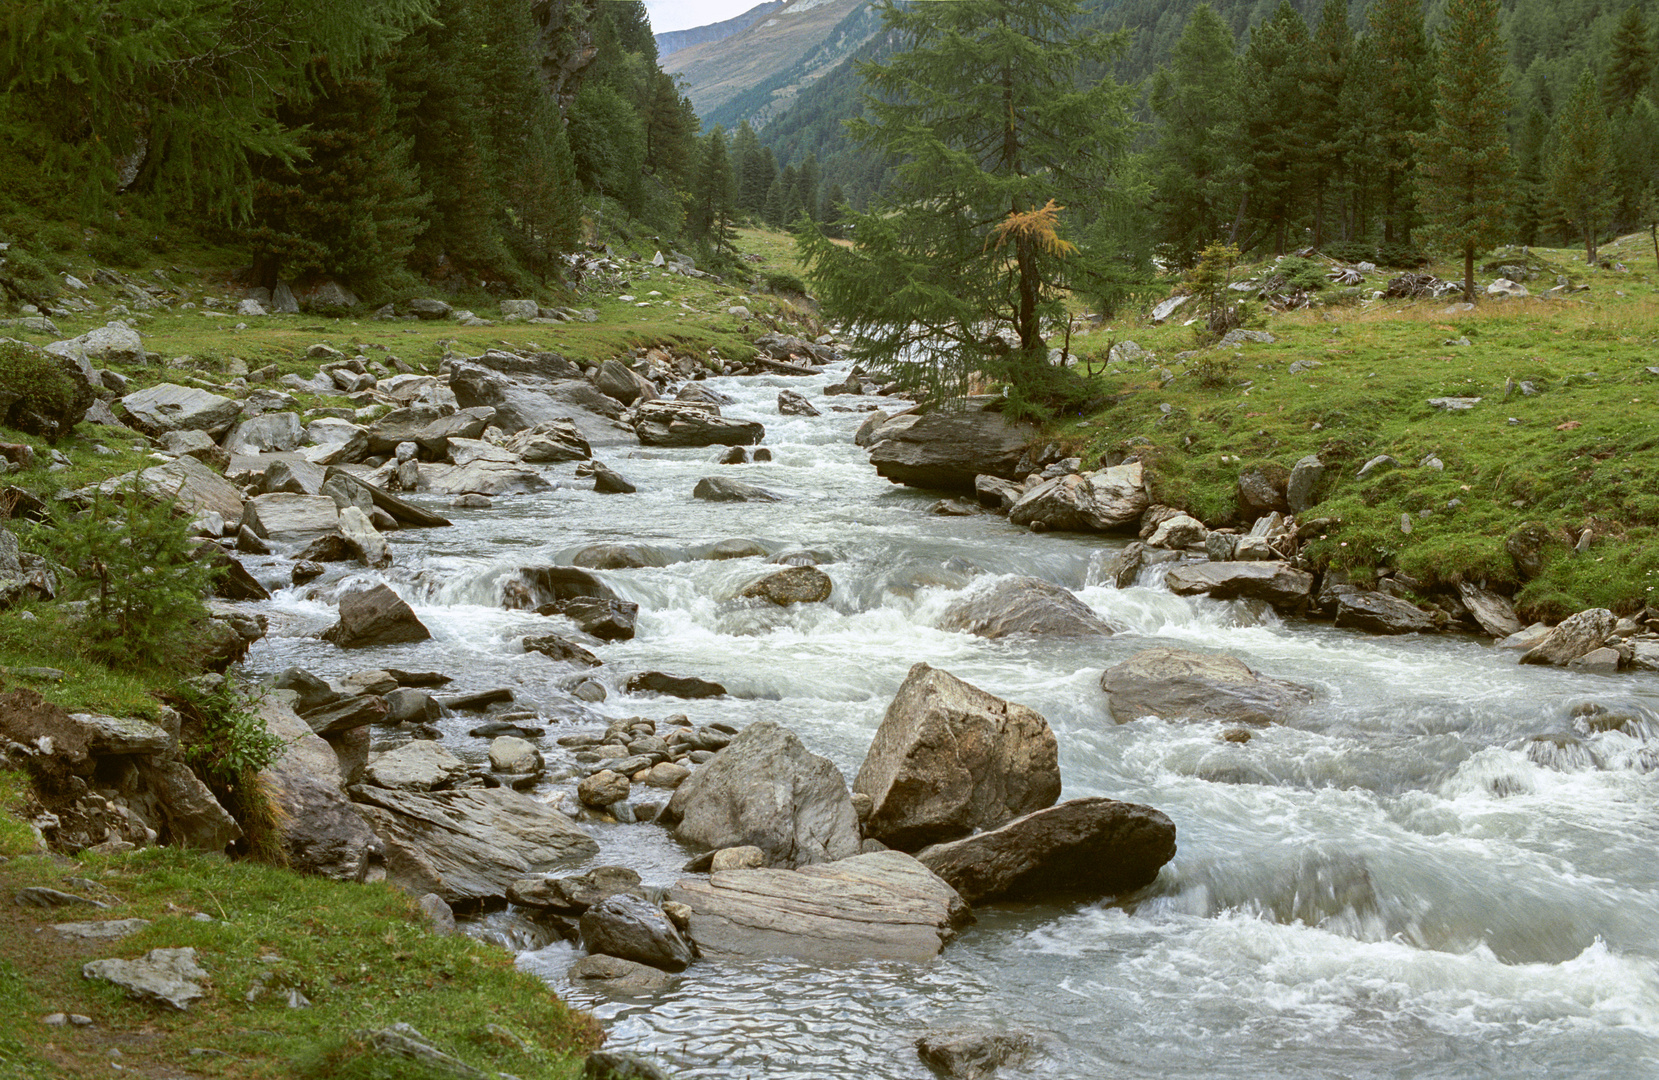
(683, 14)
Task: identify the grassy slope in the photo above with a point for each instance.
(1584, 454)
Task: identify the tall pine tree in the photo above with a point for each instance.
(1464, 169)
(1405, 102)
(1278, 130)
(1577, 172)
(1196, 177)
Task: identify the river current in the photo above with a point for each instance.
(1402, 882)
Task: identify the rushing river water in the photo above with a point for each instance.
(1399, 883)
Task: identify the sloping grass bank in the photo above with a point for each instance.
(1565, 435)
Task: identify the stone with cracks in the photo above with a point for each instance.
(634, 929)
(574, 895)
(265, 433)
(1275, 582)
(616, 380)
(680, 686)
(168, 407)
(880, 906)
(950, 758)
(1179, 685)
(321, 832)
(468, 846)
(945, 450)
(969, 1053)
(557, 648)
(420, 765)
(105, 345)
(1023, 605)
(617, 976)
(1102, 501)
(512, 755)
(795, 585)
(1493, 611)
(1178, 531)
(1081, 848)
(363, 538)
(682, 423)
(377, 616)
(1301, 490)
(186, 483)
(166, 976)
(1379, 613)
(721, 489)
(1577, 635)
(792, 404)
(288, 519)
(766, 790)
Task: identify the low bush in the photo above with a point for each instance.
(37, 396)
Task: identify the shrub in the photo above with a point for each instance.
(1213, 371)
(1400, 255)
(37, 394)
(130, 558)
(783, 283)
(1350, 251)
(1299, 273)
(226, 744)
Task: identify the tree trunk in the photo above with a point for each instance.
(1589, 244)
(1238, 219)
(1469, 272)
(1653, 230)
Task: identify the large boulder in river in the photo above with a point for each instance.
(1275, 582)
(1088, 848)
(721, 489)
(794, 585)
(1578, 635)
(1100, 501)
(617, 380)
(525, 401)
(944, 450)
(950, 758)
(881, 906)
(1023, 605)
(377, 616)
(766, 790)
(1179, 685)
(634, 929)
(470, 845)
(689, 423)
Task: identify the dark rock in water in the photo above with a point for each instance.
(620, 556)
(945, 450)
(1178, 685)
(609, 482)
(950, 758)
(1084, 847)
(546, 584)
(762, 454)
(670, 423)
(681, 686)
(497, 728)
(574, 895)
(418, 678)
(617, 975)
(312, 692)
(1024, 605)
(796, 585)
(357, 711)
(306, 572)
(324, 549)
(880, 906)
(610, 620)
(737, 455)
(633, 929)
(375, 617)
(477, 701)
(720, 489)
(967, 1053)
(735, 549)
(1379, 613)
(792, 404)
(558, 648)
(766, 790)
(409, 706)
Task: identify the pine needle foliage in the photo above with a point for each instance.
(987, 113)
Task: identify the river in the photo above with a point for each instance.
(1399, 883)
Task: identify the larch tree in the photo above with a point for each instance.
(1577, 171)
(1464, 168)
(962, 264)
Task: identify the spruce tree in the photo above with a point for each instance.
(1405, 102)
(1577, 172)
(1464, 169)
(1277, 131)
(996, 132)
(1196, 178)
(1630, 65)
(1330, 54)
(715, 195)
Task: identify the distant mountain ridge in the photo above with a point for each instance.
(717, 71)
(672, 41)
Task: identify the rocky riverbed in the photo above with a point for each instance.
(1084, 794)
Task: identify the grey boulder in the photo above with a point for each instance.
(377, 616)
(1275, 582)
(1101, 501)
(170, 407)
(630, 928)
(950, 758)
(1177, 685)
(686, 423)
(795, 585)
(721, 489)
(1379, 613)
(1023, 605)
(166, 976)
(1577, 636)
(944, 450)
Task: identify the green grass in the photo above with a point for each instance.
(360, 953)
(1584, 452)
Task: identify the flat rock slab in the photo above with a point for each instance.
(1380, 613)
(469, 846)
(170, 407)
(1084, 847)
(108, 930)
(1178, 685)
(186, 483)
(1275, 582)
(881, 906)
(166, 976)
(120, 734)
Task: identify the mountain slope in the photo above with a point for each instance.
(774, 95)
(717, 71)
(672, 41)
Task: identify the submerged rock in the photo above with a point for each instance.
(1178, 685)
(1023, 605)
